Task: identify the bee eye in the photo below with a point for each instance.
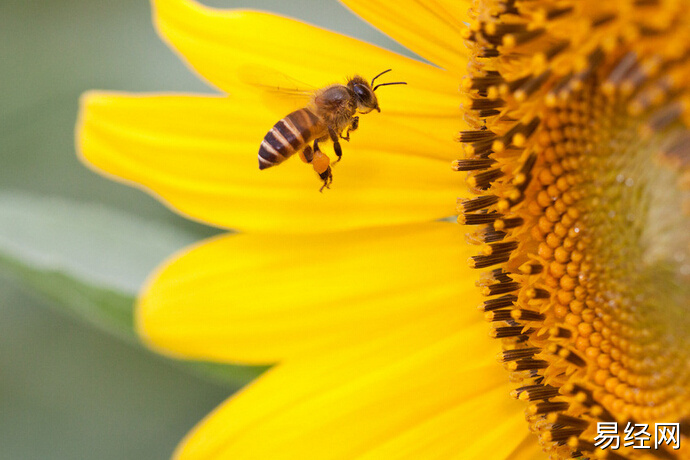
(362, 93)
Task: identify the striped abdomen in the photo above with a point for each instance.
(289, 136)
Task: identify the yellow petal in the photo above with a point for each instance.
(433, 29)
(529, 449)
(383, 397)
(200, 155)
(264, 298)
(453, 434)
(222, 46)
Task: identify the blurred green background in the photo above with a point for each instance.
(74, 247)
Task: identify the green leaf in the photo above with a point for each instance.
(109, 310)
(91, 260)
(96, 245)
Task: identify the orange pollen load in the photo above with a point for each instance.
(579, 158)
(320, 162)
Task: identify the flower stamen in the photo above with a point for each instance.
(580, 159)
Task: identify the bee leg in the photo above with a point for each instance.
(307, 155)
(327, 178)
(336, 144)
(321, 164)
(353, 126)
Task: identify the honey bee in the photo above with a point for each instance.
(330, 115)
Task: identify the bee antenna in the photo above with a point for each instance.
(392, 83)
(374, 79)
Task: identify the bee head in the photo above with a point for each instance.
(364, 92)
(364, 95)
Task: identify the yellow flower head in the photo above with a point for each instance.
(579, 152)
(572, 117)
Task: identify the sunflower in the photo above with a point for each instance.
(573, 127)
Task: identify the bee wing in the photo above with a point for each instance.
(277, 90)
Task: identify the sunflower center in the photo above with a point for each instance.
(580, 160)
(617, 257)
